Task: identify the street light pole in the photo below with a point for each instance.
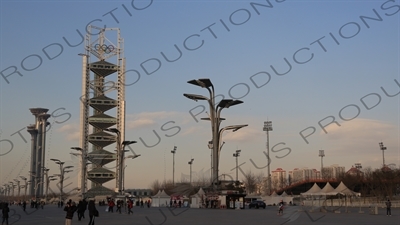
(120, 157)
(173, 165)
(236, 155)
(127, 157)
(19, 187)
(267, 128)
(215, 111)
(190, 163)
(84, 158)
(12, 187)
(383, 148)
(62, 172)
(322, 155)
(26, 184)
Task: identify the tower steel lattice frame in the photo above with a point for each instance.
(102, 58)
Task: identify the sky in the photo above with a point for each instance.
(326, 73)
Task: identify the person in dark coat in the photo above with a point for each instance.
(5, 210)
(119, 206)
(130, 206)
(24, 205)
(388, 208)
(92, 212)
(85, 204)
(70, 208)
(80, 210)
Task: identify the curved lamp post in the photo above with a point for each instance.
(120, 157)
(215, 112)
(63, 170)
(25, 183)
(83, 175)
(19, 187)
(123, 174)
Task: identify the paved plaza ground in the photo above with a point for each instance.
(51, 215)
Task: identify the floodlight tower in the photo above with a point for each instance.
(103, 89)
(190, 163)
(383, 148)
(236, 155)
(321, 154)
(267, 128)
(173, 166)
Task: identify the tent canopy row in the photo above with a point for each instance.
(342, 189)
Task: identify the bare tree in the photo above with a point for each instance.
(259, 179)
(156, 186)
(250, 182)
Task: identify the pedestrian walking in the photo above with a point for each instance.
(111, 205)
(280, 208)
(70, 208)
(141, 204)
(388, 208)
(79, 210)
(130, 206)
(5, 210)
(93, 212)
(24, 205)
(85, 204)
(119, 206)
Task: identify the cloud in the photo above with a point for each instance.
(245, 134)
(358, 140)
(140, 123)
(149, 119)
(359, 129)
(72, 131)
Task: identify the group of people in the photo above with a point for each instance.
(175, 204)
(71, 208)
(120, 204)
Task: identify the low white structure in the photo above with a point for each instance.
(161, 199)
(198, 199)
(275, 198)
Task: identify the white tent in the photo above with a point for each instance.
(312, 191)
(274, 198)
(344, 190)
(161, 199)
(327, 190)
(198, 199)
(286, 198)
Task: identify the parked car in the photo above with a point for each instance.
(257, 204)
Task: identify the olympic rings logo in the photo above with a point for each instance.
(104, 48)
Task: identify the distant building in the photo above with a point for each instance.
(278, 178)
(354, 172)
(140, 193)
(333, 172)
(298, 175)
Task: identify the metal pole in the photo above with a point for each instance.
(61, 181)
(173, 169)
(121, 162)
(237, 169)
(269, 165)
(215, 124)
